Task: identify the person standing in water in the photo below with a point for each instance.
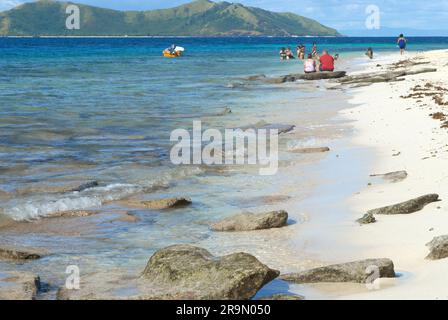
(314, 50)
(369, 53)
(402, 42)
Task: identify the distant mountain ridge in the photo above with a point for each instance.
(198, 18)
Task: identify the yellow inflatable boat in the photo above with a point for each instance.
(168, 54)
(176, 53)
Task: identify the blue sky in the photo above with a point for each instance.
(343, 15)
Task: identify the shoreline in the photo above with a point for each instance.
(405, 125)
(401, 135)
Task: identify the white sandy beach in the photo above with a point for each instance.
(391, 125)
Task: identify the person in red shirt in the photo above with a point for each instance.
(326, 62)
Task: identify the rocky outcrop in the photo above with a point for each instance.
(18, 286)
(305, 76)
(407, 207)
(438, 248)
(158, 204)
(179, 272)
(67, 187)
(394, 177)
(194, 270)
(366, 79)
(311, 150)
(250, 221)
(356, 272)
(368, 218)
(85, 186)
(21, 254)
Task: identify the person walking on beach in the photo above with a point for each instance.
(402, 42)
(326, 62)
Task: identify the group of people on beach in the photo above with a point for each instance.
(313, 61)
(325, 60)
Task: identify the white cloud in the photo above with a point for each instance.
(9, 4)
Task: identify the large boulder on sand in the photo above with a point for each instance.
(195, 270)
(18, 286)
(179, 272)
(407, 207)
(394, 177)
(158, 204)
(356, 272)
(368, 218)
(438, 248)
(250, 221)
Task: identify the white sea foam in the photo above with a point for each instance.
(34, 208)
(38, 206)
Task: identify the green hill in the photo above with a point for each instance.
(198, 18)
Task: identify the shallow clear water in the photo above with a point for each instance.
(76, 110)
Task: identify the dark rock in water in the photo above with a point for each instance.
(18, 286)
(396, 176)
(321, 75)
(282, 128)
(356, 272)
(255, 77)
(278, 80)
(158, 204)
(311, 150)
(85, 186)
(250, 221)
(407, 207)
(282, 297)
(186, 268)
(438, 248)
(19, 253)
(180, 272)
(368, 218)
